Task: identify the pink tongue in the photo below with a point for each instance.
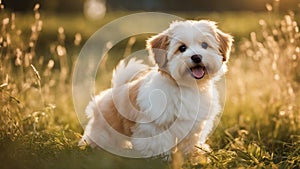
(198, 72)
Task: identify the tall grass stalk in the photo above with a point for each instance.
(29, 83)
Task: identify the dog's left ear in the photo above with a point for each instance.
(157, 46)
(225, 43)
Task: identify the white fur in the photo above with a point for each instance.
(175, 109)
(124, 74)
(185, 105)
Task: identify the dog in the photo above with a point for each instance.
(154, 109)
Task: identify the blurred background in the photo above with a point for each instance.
(87, 16)
(79, 6)
(95, 10)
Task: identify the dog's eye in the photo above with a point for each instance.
(204, 45)
(182, 48)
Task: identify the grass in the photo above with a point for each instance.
(260, 126)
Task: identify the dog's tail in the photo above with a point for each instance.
(125, 73)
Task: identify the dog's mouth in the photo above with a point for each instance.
(198, 72)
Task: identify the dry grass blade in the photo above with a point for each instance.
(37, 75)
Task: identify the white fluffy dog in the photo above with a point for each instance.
(173, 104)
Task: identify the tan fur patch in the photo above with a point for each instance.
(225, 42)
(158, 45)
(115, 119)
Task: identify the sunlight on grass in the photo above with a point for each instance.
(260, 127)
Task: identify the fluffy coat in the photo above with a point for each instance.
(151, 110)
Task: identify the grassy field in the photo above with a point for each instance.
(260, 126)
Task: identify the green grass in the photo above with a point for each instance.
(260, 126)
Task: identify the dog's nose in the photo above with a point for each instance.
(196, 58)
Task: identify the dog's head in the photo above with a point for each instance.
(190, 50)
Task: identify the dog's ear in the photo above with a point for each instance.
(157, 46)
(225, 42)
